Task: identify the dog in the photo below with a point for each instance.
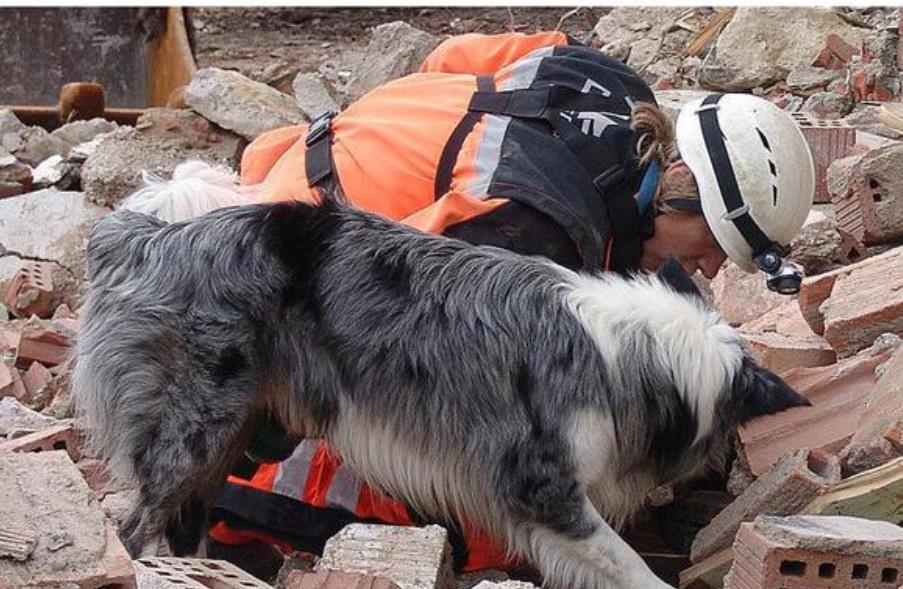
(472, 383)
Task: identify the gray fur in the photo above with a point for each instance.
(455, 378)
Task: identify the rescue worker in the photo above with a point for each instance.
(532, 143)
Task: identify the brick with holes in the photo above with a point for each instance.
(31, 291)
(867, 193)
(817, 552)
(828, 140)
(192, 573)
(61, 437)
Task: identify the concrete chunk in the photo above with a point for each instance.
(414, 558)
(396, 49)
(43, 496)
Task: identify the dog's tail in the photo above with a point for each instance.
(196, 188)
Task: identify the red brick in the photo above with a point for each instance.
(879, 437)
(853, 305)
(835, 54)
(781, 340)
(61, 437)
(741, 297)
(193, 573)
(817, 552)
(31, 291)
(336, 580)
(829, 140)
(98, 477)
(47, 342)
(839, 394)
(37, 381)
(867, 202)
(784, 490)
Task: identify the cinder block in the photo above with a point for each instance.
(879, 437)
(817, 552)
(784, 490)
(31, 291)
(192, 573)
(853, 305)
(829, 140)
(51, 517)
(336, 580)
(61, 437)
(839, 394)
(414, 558)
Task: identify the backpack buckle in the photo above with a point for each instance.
(319, 128)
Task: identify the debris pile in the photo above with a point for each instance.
(837, 343)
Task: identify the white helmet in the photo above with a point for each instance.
(755, 175)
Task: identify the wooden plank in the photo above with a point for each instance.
(708, 573)
(171, 61)
(873, 494)
(704, 37)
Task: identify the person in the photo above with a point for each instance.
(529, 142)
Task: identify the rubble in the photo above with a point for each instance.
(58, 437)
(752, 50)
(873, 494)
(839, 394)
(50, 226)
(414, 558)
(784, 490)
(816, 551)
(866, 193)
(828, 105)
(781, 340)
(44, 500)
(819, 247)
(805, 78)
(828, 141)
(47, 342)
(395, 50)
(17, 418)
(671, 101)
(162, 139)
(15, 177)
(10, 123)
(33, 145)
(879, 436)
(835, 54)
(78, 132)
(740, 296)
(336, 580)
(239, 104)
(192, 573)
(314, 95)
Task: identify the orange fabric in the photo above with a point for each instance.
(486, 54)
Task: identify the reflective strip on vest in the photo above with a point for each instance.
(293, 474)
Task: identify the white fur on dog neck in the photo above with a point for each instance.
(697, 344)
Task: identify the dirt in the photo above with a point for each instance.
(273, 44)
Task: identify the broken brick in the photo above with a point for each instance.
(817, 552)
(43, 496)
(414, 558)
(828, 140)
(11, 384)
(788, 487)
(865, 192)
(61, 437)
(47, 342)
(740, 296)
(193, 573)
(839, 394)
(853, 305)
(37, 381)
(835, 54)
(336, 580)
(781, 340)
(31, 291)
(879, 437)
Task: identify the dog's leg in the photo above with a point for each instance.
(593, 558)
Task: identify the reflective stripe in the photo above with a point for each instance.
(344, 490)
(292, 474)
(524, 71)
(489, 152)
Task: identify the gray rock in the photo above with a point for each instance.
(78, 132)
(162, 139)
(396, 49)
(10, 123)
(48, 225)
(15, 177)
(117, 505)
(625, 25)
(34, 145)
(14, 416)
(761, 46)
(414, 558)
(818, 245)
(240, 104)
(314, 95)
(805, 77)
(671, 101)
(828, 105)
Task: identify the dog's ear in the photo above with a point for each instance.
(674, 275)
(756, 391)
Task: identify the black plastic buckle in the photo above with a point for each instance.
(319, 128)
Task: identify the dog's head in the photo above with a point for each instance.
(752, 391)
